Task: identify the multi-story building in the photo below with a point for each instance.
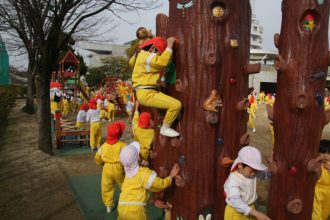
(256, 29)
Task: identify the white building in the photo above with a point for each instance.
(94, 53)
(256, 29)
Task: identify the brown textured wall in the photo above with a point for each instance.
(298, 117)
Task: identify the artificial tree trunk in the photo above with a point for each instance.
(211, 59)
(299, 115)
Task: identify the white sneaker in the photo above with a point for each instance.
(109, 209)
(169, 132)
(208, 217)
(254, 130)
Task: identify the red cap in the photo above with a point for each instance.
(54, 84)
(84, 106)
(92, 104)
(144, 120)
(158, 42)
(115, 130)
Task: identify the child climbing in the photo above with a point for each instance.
(81, 117)
(143, 133)
(137, 183)
(108, 156)
(147, 65)
(240, 187)
(93, 116)
(321, 205)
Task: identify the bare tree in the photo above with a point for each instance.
(40, 26)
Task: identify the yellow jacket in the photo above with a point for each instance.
(135, 189)
(321, 205)
(110, 106)
(145, 136)
(147, 67)
(109, 153)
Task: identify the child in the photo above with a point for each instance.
(108, 156)
(93, 116)
(143, 133)
(81, 117)
(111, 109)
(129, 109)
(147, 66)
(240, 187)
(137, 183)
(321, 205)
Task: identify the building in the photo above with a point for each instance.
(256, 29)
(94, 53)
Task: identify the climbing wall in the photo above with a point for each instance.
(212, 71)
(299, 115)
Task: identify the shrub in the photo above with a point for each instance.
(7, 100)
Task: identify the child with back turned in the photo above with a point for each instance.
(240, 187)
(138, 182)
(108, 156)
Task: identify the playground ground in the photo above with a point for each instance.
(34, 185)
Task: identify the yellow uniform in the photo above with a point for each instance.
(65, 106)
(321, 206)
(232, 214)
(326, 104)
(252, 116)
(134, 194)
(113, 170)
(146, 74)
(111, 111)
(145, 136)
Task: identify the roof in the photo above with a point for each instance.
(264, 55)
(69, 58)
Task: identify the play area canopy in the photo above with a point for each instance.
(4, 64)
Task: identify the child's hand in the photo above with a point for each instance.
(175, 170)
(170, 42)
(259, 215)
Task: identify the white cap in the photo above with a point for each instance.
(129, 157)
(250, 156)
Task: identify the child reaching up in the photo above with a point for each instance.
(137, 183)
(147, 65)
(240, 187)
(108, 156)
(143, 133)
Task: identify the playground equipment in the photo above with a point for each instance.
(212, 68)
(65, 129)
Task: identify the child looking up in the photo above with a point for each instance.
(147, 65)
(240, 187)
(143, 133)
(93, 116)
(321, 205)
(108, 156)
(137, 183)
(81, 117)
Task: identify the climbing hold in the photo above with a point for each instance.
(210, 58)
(212, 118)
(295, 206)
(226, 161)
(302, 101)
(243, 104)
(279, 63)
(319, 99)
(212, 101)
(218, 11)
(245, 139)
(293, 170)
(233, 43)
(232, 81)
(220, 141)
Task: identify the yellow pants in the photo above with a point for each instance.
(54, 106)
(111, 115)
(112, 173)
(103, 114)
(80, 125)
(132, 212)
(144, 153)
(232, 214)
(251, 122)
(152, 98)
(271, 128)
(95, 134)
(321, 205)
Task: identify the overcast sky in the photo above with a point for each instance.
(268, 12)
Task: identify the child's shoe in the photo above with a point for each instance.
(169, 132)
(254, 130)
(109, 209)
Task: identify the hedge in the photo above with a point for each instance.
(7, 100)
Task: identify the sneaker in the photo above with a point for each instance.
(94, 149)
(109, 209)
(169, 132)
(254, 130)
(208, 217)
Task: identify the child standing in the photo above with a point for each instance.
(143, 133)
(137, 183)
(108, 156)
(81, 117)
(93, 116)
(321, 205)
(240, 187)
(154, 56)
(111, 109)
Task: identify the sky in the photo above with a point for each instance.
(268, 12)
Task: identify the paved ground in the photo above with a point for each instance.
(34, 185)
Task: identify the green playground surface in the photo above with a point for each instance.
(70, 149)
(87, 192)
